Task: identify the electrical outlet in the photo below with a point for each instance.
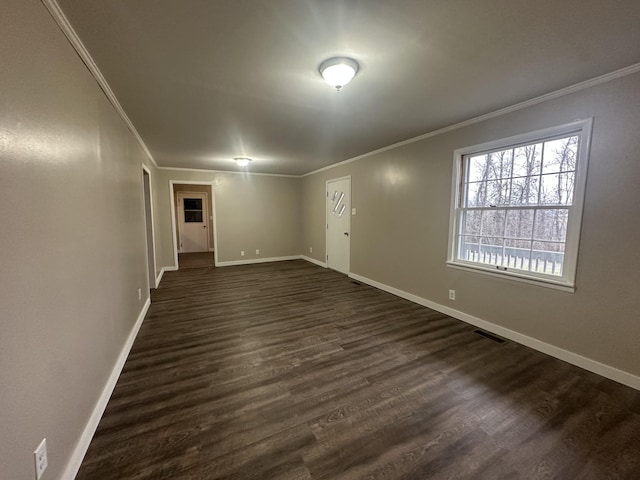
(139, 294)
(257, 251)
(40, 457)
(310, 249)
(452, 294)
(242, 253)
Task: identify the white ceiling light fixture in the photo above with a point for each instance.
(242, 161)
(338, 71)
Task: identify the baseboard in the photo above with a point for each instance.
(170, 268)
(73, 466)
(211, 249)
(257, 260)
(594, 366)
(313, 260)
(249, 262)
(159, 277)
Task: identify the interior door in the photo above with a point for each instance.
(339, 224)
(193, 222)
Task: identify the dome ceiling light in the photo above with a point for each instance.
(338, 71)
(242, 161)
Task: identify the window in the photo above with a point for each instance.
(517, 205)
(193, 210)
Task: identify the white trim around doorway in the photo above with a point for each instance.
(173, 218)
(153, 227)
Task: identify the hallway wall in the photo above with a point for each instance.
(250, 211)
(73, 250)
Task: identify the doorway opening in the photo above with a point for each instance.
(149, 231)
(193, 221)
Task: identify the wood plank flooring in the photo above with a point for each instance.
(195, 260)
(290, 371)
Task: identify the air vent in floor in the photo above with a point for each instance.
(489, 336)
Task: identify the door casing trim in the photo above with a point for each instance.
(212, 208)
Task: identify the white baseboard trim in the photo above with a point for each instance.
(257, 260)
(159, 277)
(80, 450)
(313, 260)
(170, 268)
(594, 366)
(211, 249)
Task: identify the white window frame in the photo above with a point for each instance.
(566, 282)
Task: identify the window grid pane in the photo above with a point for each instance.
(515, 206)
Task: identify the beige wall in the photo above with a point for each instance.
(73, 240)
(251, 212)
(73, 256)
(400, 232)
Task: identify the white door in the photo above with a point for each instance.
(193, 230)
(339, 224)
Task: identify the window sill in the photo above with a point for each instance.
(515, 276)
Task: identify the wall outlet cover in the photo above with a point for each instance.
(40, 457)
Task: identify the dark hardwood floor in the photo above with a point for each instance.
(195, 260)
(290, 371)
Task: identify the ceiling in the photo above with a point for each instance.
(204, 81)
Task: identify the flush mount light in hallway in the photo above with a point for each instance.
(338, 71)
(242, 161)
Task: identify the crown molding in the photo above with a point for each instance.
(232, 172)
(72, 36)
(607, 77)
(64, 24)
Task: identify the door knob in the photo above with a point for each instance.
(346, 234)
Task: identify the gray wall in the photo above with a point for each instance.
(73, 249)
(251, 212)
(400, 233)
(73, 240)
